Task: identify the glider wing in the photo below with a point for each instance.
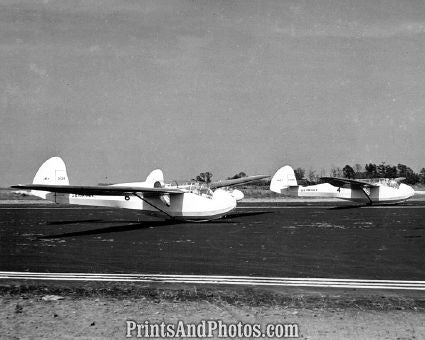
(237, 181)
(102, 190)
(354, 183)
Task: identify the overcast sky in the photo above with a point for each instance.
(118, 88)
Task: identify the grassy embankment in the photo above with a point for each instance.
(9, 194)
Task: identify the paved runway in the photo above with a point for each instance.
(261, 240)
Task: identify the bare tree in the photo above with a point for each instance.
(312, 176)
(336, 171)
(299, 173)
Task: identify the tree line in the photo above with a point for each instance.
(357, 171)
(370, 170)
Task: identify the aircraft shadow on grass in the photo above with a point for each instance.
(356, 206)
(137, 225)
(77, 221)
(249, 213)
(134, 225)
(342, 207)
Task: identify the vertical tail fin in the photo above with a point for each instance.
(155, 178)
(283, 179)
(52, 171)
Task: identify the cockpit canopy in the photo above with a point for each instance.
(390, 182)
(197, 188)
(201, 189)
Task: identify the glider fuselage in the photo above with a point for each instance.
(367, 191)
(381, 194)
(196, 202)
(185, 206)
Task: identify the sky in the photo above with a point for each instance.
(118, 88)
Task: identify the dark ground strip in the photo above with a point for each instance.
(302, 241)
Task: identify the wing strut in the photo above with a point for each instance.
(367, 195)
(144, 200)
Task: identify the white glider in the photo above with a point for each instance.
(367, 191)
(195, 202)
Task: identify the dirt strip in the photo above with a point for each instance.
(101, 310)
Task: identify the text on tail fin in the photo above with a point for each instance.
(52, 171)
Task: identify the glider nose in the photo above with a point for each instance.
(225, 197)
(408, 190)
(237, 194)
